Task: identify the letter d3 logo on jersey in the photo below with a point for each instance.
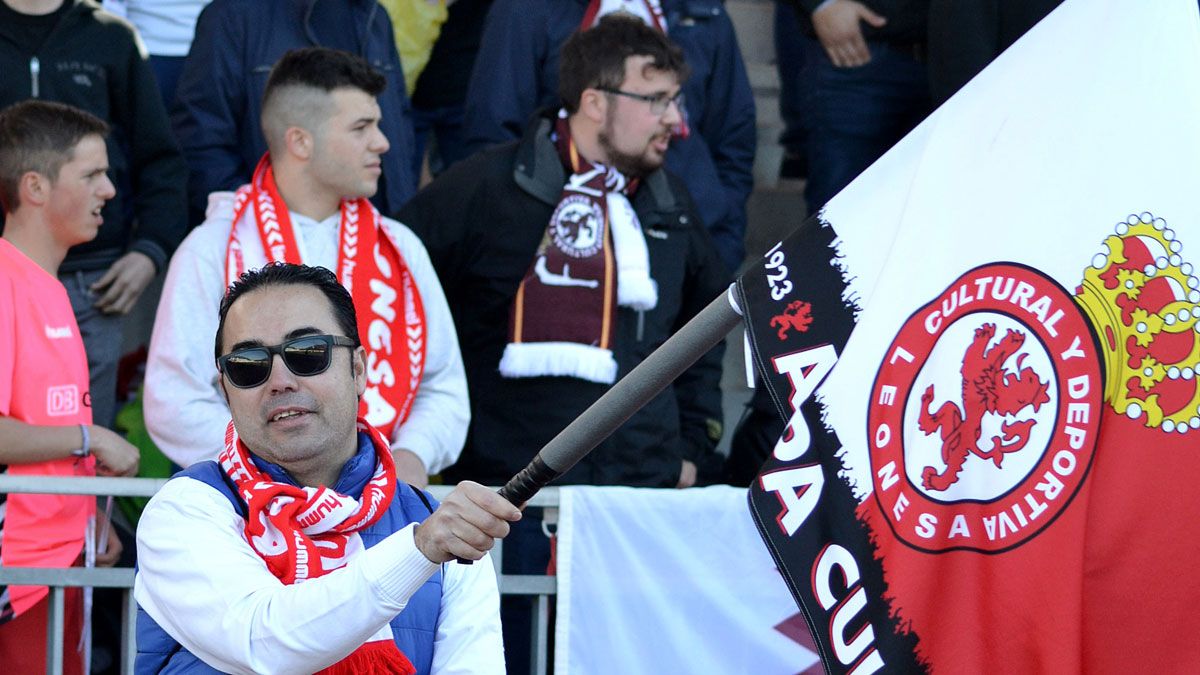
(985, 412)
(62, 400)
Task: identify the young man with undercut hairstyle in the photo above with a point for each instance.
(307, 203)
(53, 185)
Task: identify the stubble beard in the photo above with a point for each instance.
(633, 166)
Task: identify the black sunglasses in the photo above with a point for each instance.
(304, 356)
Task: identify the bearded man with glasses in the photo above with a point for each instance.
(567, 258)
(305, 490)
(308, 203)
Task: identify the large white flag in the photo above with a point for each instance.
(669, 581)
(988, 347)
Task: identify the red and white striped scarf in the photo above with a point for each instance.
(304, 532)
(366, 255)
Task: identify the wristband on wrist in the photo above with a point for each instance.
(87, 443)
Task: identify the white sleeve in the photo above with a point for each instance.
(468, 640)
(436, 427)
(202, 583)
(183, 407)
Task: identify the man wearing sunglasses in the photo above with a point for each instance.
(305, 491)
(568, 256)
(308, 203)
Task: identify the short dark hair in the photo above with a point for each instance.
(39, 136)
(287, 274)
(595, 58)
(299, 84)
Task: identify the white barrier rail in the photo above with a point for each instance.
(540, 586)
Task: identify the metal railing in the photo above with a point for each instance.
(58, 580)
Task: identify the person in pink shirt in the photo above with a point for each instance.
(53, 183)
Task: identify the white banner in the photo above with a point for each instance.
(670, 581)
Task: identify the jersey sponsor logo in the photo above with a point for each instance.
(984, 414)
(58, 332)
(62, 400)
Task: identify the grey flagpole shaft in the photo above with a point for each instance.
(626, 397)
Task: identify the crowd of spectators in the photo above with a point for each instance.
(460, 177)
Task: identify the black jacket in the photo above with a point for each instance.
(94, 61)
(482, 221)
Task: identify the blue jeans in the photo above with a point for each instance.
(854, 115)
(102, 339)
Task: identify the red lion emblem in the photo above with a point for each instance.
(986, 388)
(797, 316)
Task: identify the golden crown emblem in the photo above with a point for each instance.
(1143, 300)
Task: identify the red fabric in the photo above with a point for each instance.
(23, 640)
(370, 267)
(44, 381)
(381, 657)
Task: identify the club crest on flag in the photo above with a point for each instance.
(984, 412)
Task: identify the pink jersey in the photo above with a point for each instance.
(44, 381)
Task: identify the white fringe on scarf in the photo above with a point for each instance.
(562, 359)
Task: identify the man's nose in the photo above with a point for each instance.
(281, 378)
(380, 142)
(673, 115)
(107, 190)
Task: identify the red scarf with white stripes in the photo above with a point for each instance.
(370, 267)
(305, 532)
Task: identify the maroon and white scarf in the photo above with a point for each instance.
(304, 532)
(592, 258)
(651, 13)
(371, 267)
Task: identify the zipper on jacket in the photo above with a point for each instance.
(35, 69)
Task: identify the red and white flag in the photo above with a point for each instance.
(987, 349)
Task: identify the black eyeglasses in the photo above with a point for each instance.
(658, 102)
(304, 356)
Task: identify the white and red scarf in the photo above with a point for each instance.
(592, 258)
(371, 267)
(304, 532)
(649, 11)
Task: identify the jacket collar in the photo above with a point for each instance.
(538, 171)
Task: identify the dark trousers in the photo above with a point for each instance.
(855, 114)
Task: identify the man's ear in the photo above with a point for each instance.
(34, 188)
(593, 105)
(300, 142)
(224, 391)
(358, 366)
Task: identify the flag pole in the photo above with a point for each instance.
(626, 397)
